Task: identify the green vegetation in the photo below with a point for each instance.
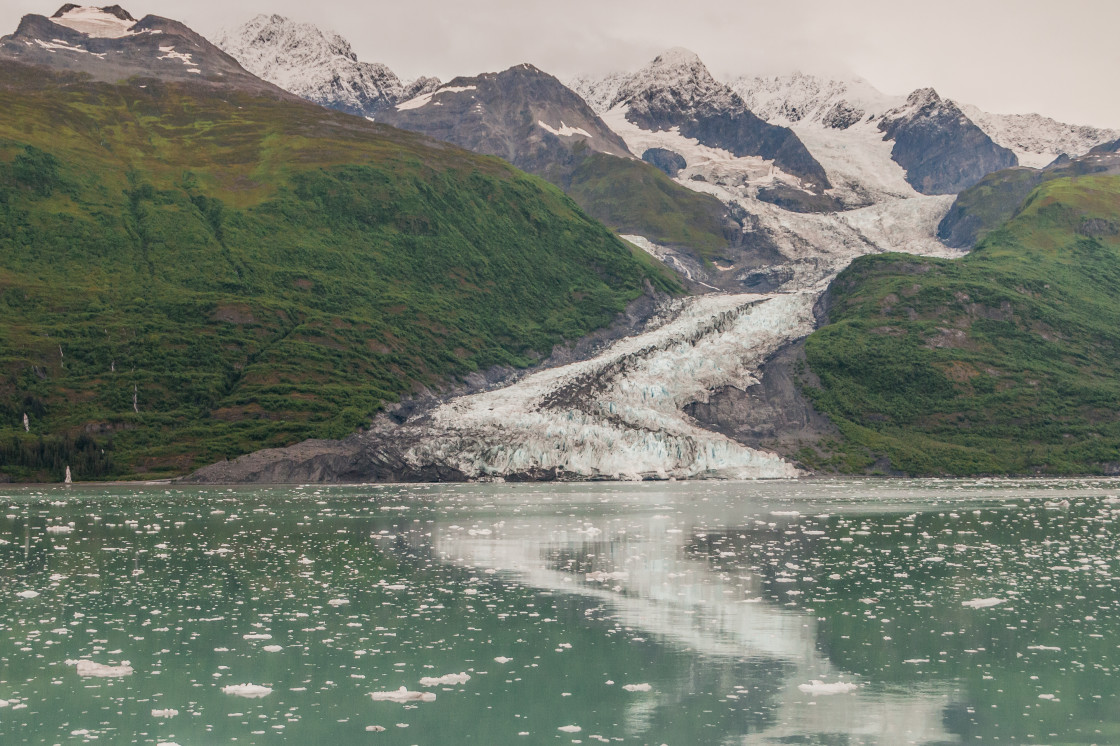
(1004, 361)
(252, 272)
(633, 197)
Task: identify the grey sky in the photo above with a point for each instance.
(1007, 56)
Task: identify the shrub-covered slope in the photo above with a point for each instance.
(189, 274)
(1004, 361)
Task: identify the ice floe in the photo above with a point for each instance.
(402, 695)
(248, 691)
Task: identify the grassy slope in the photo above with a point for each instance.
(1004, 361)
(633, 197)
(258, 272)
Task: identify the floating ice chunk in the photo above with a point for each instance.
(273, 648)
(168, 713)
(60, 529)
(248, 691)
(257, 636)
(28, 594)
(982, 603)
(450, 679)
(637, 687)
(502, 659)
(570, 728)
(100, 670)
(402, 695)
(167, 743)
(338, 601)
(375, 729)
(601, 577)
(4, 703)
(820, 689)
(1048, 696)
(790, 513)
(1043, 647)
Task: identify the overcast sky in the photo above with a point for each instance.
(1006, 56)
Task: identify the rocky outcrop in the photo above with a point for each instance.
(940, 148)
(668, 161)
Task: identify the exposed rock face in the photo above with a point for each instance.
(317, 65)
(670, 162)
(523, 115)
(109, 45)
(771, 413)
(677, 91)
(942, 151)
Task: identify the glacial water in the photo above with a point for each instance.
(814, 612)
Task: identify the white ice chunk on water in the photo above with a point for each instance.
(248, 691)
(982, 603)
(450, 679)
(168, 713)
(402, 695)
(28, 594)
(819, 689)
(257, 636)
(273, 648)
(637, 687)
(90, 668)
(570, 728)
(503, 659)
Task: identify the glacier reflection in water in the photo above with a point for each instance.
(822, 612)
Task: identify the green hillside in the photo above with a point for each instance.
(1004, 361)
(634, 197)
(253, 272)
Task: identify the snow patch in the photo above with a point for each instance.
(95, 22)
(424, 99)
(564, 130)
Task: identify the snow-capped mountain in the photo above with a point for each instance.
(1038, 140)
(799, 101)
(108, 44)
(676, 94)
(521, 114)
(317, 65)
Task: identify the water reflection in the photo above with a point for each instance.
(672, 613)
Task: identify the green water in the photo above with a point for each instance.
(936, 611)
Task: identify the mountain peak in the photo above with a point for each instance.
(677, 57)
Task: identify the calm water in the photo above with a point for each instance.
(930, 612)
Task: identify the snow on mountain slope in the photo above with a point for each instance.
(1036, 139)
(316, 65)
(810, 99)
(805, 102)
(676, 92)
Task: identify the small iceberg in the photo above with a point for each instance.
(570, 728)
(89, 668)
(982, 603)
(28, 594)
(637, 687)
(402, 695)
(820, 689)
(450, 679)
(165, 714)
(248, 691)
